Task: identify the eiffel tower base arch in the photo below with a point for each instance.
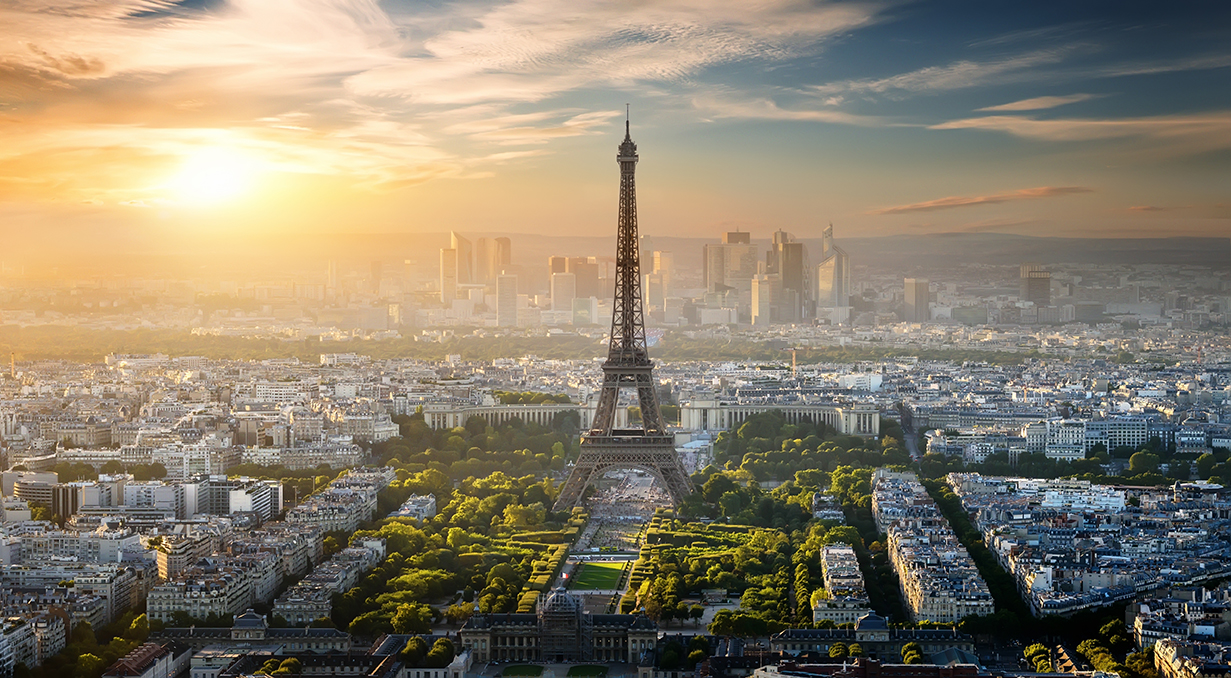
(655, 455)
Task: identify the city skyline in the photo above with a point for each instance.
(140, 118)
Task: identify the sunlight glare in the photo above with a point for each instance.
(214, 175)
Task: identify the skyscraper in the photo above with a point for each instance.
(448, 276)
(557, 265)
(766, 296)
(587, 276)
(664, 265)
(506, 300)
(833, 278)
(731, 263)
(918, 298)
(1035, 285)
(465, 258)
(492, 256)
(563, 291)
(786, 259)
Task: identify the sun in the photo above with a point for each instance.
(214, 175)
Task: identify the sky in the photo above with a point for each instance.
(209, 118)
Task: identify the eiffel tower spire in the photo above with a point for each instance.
(628, 365)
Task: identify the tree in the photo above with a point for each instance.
(456, 614)
(412, 618)
(113, 467)
(331, 545)
(855, 650)
(911, 648)
(1143, 462)
(440, 655)
(139, 630)
(838, 650)
(1205, 465)
(696, 612)
(415, 651)
(89, 665)
(730, 504)
(83, 635)
(322, 623)
(718, 485)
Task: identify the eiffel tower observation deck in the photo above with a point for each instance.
(605, 448)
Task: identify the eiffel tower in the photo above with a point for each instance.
(649, 448)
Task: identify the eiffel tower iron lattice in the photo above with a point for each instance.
(604, 447)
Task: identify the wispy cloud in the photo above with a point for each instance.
(377, 94)
(953, 202)
(1215, 211)
(1040, 103)
(957, 75)
(760, 108)
(1191, 133)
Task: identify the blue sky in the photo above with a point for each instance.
(885, 117)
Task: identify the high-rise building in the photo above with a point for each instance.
(586, 271)
(506, 300)
(448, 276)
(918, 298)
(730, 264)
(563, 291)
(736, 238)
(492, 256)
(664, 265)
(465, 258)
(786, 258)
(833, 277)
(557, 265)
(1035, 285)
(654, 291)
(766, 293)
(485, 270)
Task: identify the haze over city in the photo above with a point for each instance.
(581, 339)
(138, 119)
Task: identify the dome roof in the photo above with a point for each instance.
(871, 622)
(560, 602)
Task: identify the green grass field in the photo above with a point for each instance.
(597, 576)
(587, 671)
(522, 671)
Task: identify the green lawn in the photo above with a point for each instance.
(523, 671)
(597, 576)
(587, 671)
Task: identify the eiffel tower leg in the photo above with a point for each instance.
(570, 495)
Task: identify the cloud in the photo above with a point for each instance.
(377, 94)
(953, 202)
(1216, 211)
(767, 109)
(957, 75)
(1040, 103)
(1192, 133)
(528, 50)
